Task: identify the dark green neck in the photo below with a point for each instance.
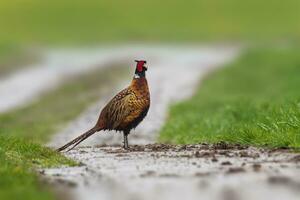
(140, 74)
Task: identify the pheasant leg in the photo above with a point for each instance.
(126, 141)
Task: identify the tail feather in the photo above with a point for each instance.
(79, 139)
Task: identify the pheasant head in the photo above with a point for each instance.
(141, 69)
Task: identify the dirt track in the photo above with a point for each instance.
(172, 172)
(24, 86)
(181, 172)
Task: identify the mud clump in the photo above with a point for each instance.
(227, 153)
(295, 159)
(235, 170)
(226, 163)
(205, 154)
(120, 155)
(145, 148)
(226, 146)
(202, 174)
(256, 167)
(67, 183)
(214, 159)
(148, 174)
(284, 181)
(247, 154)
(169, 175)
(278, 180)
(59, 181)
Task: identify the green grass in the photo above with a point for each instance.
(23, 130)
(18, 158)
(89, 21)
(253, 101)
(13, 58)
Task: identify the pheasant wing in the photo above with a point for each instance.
(119, 108)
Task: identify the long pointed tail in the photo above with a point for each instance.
(79, 139)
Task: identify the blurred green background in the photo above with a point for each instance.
(26, 24)
(36, 22)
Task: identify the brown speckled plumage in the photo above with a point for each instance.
(125, 111)
(126, 107)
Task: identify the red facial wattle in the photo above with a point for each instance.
(140, 65)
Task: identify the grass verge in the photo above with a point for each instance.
(22, 131)
(13, 58)
(253, 101)
(18, 158)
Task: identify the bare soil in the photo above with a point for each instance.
(163, 171)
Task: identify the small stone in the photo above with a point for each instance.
(226, 163)
(256, 167)
(214, 159)
(235, 170)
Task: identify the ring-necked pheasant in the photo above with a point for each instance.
(125, 111)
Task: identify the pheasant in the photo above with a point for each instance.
(125, 111)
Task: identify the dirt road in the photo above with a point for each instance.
(181, 172)
(23, 86)
(171, 172)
